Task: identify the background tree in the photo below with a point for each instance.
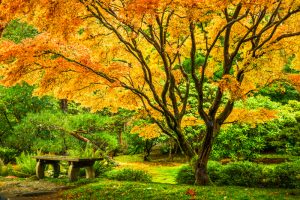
(152, 54)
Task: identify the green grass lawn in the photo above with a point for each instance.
(161, 172)
(109, 189)
(164, 186)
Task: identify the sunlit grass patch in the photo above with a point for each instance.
(162, 172)
(129, 158)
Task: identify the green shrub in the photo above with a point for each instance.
(186, 175)
(102, 167)
(129, 175)
(285, 175)
(214, 169)
(241, 174)
(238, 142)
(26, 165)
(87, 152)
(7, 154)
(6, 170)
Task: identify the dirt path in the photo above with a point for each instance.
(17, 189)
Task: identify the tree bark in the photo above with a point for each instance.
(185, 147)
(201, 174)
(120, 139)
(147, 149)
(64, 105)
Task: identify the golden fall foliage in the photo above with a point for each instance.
(150, 54)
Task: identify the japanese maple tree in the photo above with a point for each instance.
(151, 54)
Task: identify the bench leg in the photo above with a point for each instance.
(40, 170)
(73, 173)
(56, 169)
(90, 172)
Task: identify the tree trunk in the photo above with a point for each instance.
(185, 147)
(147, 149)
(201, 174)
(120, 139)
(64, 105)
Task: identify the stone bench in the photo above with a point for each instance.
(75, 164)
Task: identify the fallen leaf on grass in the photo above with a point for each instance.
(191, 193)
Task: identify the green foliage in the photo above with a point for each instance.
(238, 142)
(108, 141)
(41, 131)
(285, 175)
(186, 175)
(258, 102)
(95, 127)
(15, 103)
(282, 93)
(26, 164)
(282, 135)
(129, 175)
(88, 122)
(87, 152)
(135, 144)
(16, 31)
(49, 131)
(101, 167)
(199, 61)
(214, 169)
(7, 155)
(6, 170)
(241, 174)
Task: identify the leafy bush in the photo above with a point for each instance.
(26, 165)
(186, 175)
(7, 154)
(214, 169)
(107, 141)
(129, 175)
(243, 142)
(87, 152)
(15, 103)
(40, 131)
(103, 166)
(49, 131)
(241, 174)
(285, 175)
(6, 170)
(239, 142)
(283, 134)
